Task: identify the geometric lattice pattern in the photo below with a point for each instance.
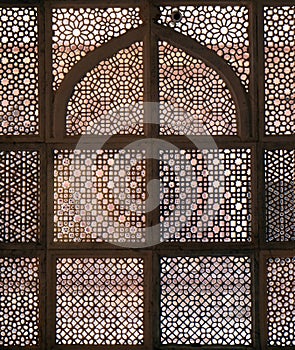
(205, 195)
(122, 194)
(206, 300)
(196, 99)
(279, 54)
(99, 195)
(106, 100)
(99, 301)
(221, 29)
(18, 71)
(280, 195)
(19, 196)
(19, 301)
(280, 306)
(79, 31)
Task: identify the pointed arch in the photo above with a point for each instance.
(85, 65)
(190, 46)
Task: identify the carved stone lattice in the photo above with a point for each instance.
(19, 311)
(206, 196)
(79, 31)
(99, 301)
(108, 99)
(195, 98)
(206, 300)
(280, 195)
(19, 71)
(99, 195)
(280, 293)
(279, 54)
(222, 29)
(19, 196)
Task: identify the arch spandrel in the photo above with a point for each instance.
(232, 116)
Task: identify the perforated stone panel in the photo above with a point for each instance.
(79, 31)
(280, 305)
(222, 29)
(99, 195)
(206, 195)
(195, 99)
(19, 71)
(279, 54)
(206, 300)
(108, 99)
(19, 196)
(99, 301)
(19, 307)
(280, 195)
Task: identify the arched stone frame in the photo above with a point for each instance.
(196, 50)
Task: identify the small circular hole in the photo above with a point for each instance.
(176, 16)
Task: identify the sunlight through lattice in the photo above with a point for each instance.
(19, 196)
(204, 101)
(206, 300)
(19, 71)
(206, 196)
(108, 99)
(99, 301)
(222, 29)
(19, 311)
(79, 31)
(279, 54)
(280, 293)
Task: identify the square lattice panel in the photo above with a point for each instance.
(99, 301)
(99, 195)
(206, 195)
(206, 300)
